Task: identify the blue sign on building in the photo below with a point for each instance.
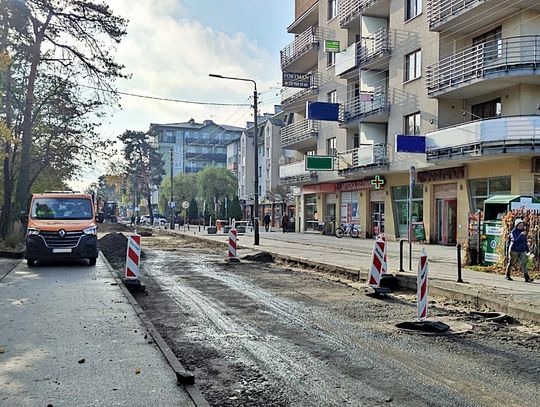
(323, 111)
(410, 144)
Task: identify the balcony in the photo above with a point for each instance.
(306, 15)
(300, 135)
(374, 50)
(371, 107)
(483, 138)
(466, 16)
(350, 11)
(301, 54)
(364, 159)
(295, 174)
(478, 69)
(294, 99)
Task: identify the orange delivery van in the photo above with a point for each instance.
(61, 225)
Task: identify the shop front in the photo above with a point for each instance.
(376, 203)
(318, 203)
(400, 202)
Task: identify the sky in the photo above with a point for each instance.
(172, 45)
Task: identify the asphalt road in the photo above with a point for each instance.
(258, 335)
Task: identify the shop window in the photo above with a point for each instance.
(310, 211)
(400, 199)
(482, 189)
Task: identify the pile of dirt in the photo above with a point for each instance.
(113, 227)
(262, 257)
(114, 247)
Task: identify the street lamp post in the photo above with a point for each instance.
(256, 156)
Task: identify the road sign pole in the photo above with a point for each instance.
(412, 180)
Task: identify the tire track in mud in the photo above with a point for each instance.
(284, 358)
(316, 357)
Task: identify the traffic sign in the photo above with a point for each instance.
(185, 204)
(172, 205)
(319, 163)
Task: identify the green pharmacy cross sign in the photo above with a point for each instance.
(377, 182)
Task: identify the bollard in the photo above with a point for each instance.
(459, 279)
(401, 255)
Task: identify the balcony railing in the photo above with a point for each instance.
(304, 42)
(480, 61)
(364, 157)
(351, 9)
(367, 103)
(299, 132)
(439, 11)
(315, 79)
(374, 45)
(295, 173)
(513, 135)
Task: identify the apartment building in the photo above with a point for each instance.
(194, 145)
(460, 73)
(271, 155)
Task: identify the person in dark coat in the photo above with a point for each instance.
(517, 250)
(285, 223)
(266, 221)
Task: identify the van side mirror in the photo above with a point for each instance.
(23, 217)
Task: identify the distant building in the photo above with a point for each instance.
(195, 145)
(271, 156)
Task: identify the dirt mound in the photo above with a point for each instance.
(114, 247)
(262, 257)
(113, 227)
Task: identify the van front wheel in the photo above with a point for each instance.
(31, 262)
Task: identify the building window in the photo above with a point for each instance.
(482, 189)
(331, 97)
(412, 123)
(400, 200)
(331, 147)
(332, 9)
(486, 110)
(330, 59)
(490, 43)
(413, 65)
(413, 9)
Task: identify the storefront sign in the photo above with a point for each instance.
(322, 111)
(360, 184)
(296, 80)
(419, 232)
(377, 182)
(444, 174)
(315, 189)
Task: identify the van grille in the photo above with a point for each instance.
(53, 239)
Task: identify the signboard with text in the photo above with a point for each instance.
(319, 163)
(322, 111)
(410, 144)
(296, 80)
(331, 46)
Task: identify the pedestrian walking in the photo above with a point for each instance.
(285, 223)
(266, 221)
(517, 250)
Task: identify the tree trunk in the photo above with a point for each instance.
(5, 224)
(22, 193)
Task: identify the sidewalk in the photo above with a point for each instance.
(71, 338)
(482, 290)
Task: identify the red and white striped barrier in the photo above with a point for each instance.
(233, 239)
(385, 261)
(422, 286)
(378, 263)
(133, 257)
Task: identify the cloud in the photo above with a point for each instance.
(169, 55)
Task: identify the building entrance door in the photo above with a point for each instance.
(446, 211)
(377, 218)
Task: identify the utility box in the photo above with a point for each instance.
(494, 210)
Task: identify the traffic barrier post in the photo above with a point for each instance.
(459, 279)
(232, 252)
(422, 286)
(377, 263)
(133, 258)
(401, 242)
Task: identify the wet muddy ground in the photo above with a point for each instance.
(266, 335)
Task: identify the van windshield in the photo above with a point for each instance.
(61, 208)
